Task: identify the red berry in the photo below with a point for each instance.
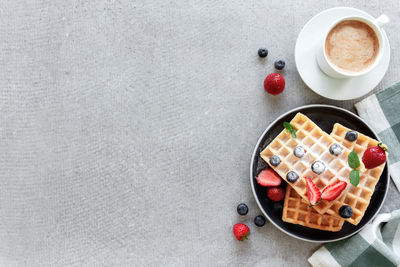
(268, 177)
(275, 193)
(274, 84)
(241, 231)
(313, 192)
(332, 191)
(374, 156)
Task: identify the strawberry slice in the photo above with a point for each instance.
(332, 191)
(268, 177)
(313, 192)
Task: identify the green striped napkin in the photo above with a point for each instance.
(382, 112)
(378, 244)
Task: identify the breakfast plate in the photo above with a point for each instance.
(322, 84)
(325, 117)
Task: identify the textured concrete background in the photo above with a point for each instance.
(126, 128)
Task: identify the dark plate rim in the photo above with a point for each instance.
(298, 109)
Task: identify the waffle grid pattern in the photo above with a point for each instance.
(316, 143)
(357, 198)
(296, 211)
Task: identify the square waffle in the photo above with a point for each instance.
(316, 144)
(297, 211)
(358, 197)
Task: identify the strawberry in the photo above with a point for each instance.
(268, 177)
(275, 193)
(241, 231)
(374, 156)
(274, 84)
(313, 192)
(332, 191)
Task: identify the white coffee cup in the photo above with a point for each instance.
(335, 72)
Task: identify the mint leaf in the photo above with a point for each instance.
(353, 160)
(354, 177)
(289, 128)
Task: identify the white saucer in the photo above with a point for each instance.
(319, 82)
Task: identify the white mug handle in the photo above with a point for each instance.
(382, 20)
(369, 233)
(381, 218)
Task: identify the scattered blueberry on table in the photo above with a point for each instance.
(242, 209)
(279, 64)
(259, 220)
(263, 52)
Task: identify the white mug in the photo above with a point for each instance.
(335, 72)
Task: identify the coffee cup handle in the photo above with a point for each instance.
(382, 20)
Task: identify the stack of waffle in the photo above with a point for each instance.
(316, 143)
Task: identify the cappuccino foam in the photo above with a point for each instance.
(352, 45)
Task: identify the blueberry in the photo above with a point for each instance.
(242, 209)
(318, 167)
(335, 149)
(299, 151)
(351, 136)
(292, 176)
(259, 220)
(346, 211)
(263, 52)
(274, 160)
(279, 64)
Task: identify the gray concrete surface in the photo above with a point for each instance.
(126, 128)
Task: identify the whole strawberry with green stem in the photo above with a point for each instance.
(241, 231)
(374, 156)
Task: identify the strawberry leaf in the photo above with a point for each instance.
(354, 177)
(353, 160)
(316, 204)
(245, 236)
(383, 147)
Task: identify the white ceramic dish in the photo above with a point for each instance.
(307, 65)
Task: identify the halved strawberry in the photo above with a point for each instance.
(332, 191)
(313, 193)
(268, 177)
